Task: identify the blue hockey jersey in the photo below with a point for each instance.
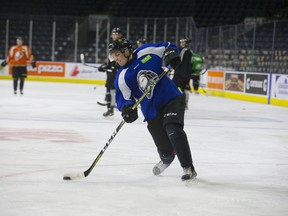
(131, 81)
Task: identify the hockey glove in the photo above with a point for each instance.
(171, 57)
(103, 68)
(4, 63)
(112, 69)
(33, 64)
(129, 115)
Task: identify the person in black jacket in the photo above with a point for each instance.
(183, 72)
(111, 69)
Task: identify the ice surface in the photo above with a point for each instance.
(240, 151)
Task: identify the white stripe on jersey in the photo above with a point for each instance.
(154, 50)
(125, 90)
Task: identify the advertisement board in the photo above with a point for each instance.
(60, 69)
(215, 79)
(234, 81)
(77, 70)
(47, 69)
(257, 83)
(280, 86)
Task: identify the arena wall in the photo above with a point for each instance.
(266, 88)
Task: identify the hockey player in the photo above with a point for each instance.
(198, 68)
(183, 73)
(111, 69)
(163, 108)
(140, 42)
(19, 56)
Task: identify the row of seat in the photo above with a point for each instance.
(205, 12)
(64, 48)
(249, 60)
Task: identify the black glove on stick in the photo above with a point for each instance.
(129, 115)
(171, 57)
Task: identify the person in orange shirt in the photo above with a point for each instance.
(18, 58)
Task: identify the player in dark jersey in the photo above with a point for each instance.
(111, 69)
(163, 108)
(183, 73)
(140, 42)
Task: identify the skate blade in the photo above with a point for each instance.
(191, 182)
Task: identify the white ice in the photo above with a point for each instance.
(240, 151)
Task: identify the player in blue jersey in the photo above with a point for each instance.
(163, 108)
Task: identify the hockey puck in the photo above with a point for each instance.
(66, 178)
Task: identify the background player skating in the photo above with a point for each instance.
(111, 69)
(183, 73)
(140, 42)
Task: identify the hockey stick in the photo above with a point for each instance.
(101, 104)
(73, 176)
(82, 58)
(203, 71)
(205, 92)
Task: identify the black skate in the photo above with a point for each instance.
(110, 112)
(188, 174)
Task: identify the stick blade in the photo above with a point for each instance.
(73, 176)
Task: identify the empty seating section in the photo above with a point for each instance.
(260, 49)
(218, 29)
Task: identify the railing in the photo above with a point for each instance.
(254, 45)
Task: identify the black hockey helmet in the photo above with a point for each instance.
(116, 31)
(186, 40)
(120, 45)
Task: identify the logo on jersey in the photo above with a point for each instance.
(170, 114)
(146, 81)
(147, 58)
(18, 55)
